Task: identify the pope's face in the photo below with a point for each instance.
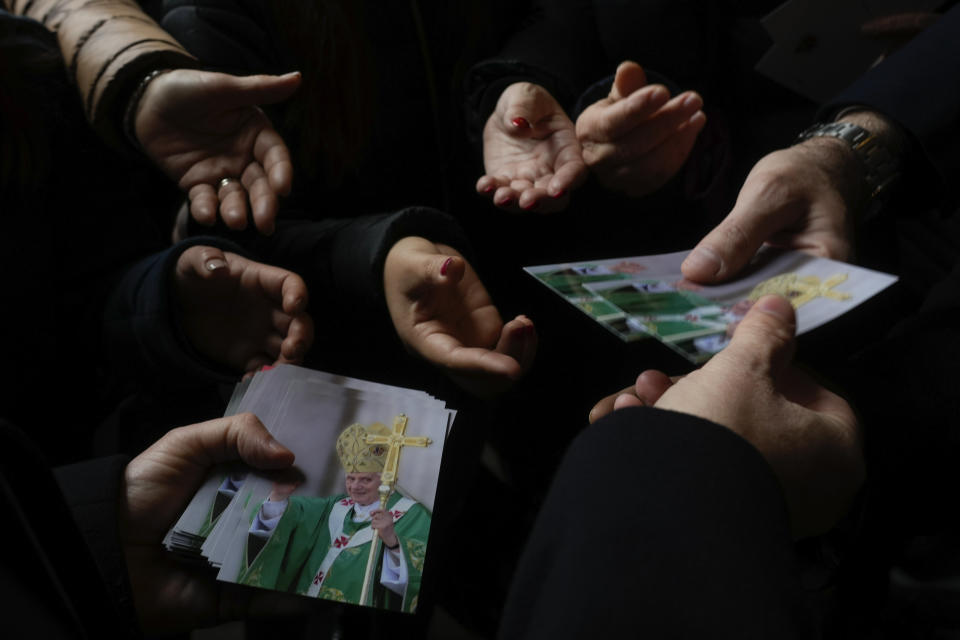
(362, 487)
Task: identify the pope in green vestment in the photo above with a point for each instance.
(320, 547)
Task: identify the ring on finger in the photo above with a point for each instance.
(226, 181)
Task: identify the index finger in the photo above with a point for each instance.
(620, 117)
(272, 153)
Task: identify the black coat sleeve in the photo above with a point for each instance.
(918, 87)
(62, 574)
(659, 524)
(142, 333)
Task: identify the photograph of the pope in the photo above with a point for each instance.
(365, 544)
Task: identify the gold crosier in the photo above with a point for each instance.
(394, 442)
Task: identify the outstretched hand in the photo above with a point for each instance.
(808, 435)
(158, 485)
(240, 313)
(206, 132)
(443, 313)
(638, 137)
(531, 154)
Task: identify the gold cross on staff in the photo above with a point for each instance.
(801, 290)
(395, 442)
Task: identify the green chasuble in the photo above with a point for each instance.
(316, 549)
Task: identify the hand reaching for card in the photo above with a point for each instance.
(443, 313)
(206, 132)
(638, 137)
(530, 152)
(808, 435)
(241, 313)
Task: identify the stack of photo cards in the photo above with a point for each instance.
(318, 529)
(647, 296)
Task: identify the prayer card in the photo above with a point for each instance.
(350, 521)
(643, 297)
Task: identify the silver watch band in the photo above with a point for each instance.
(881, 168)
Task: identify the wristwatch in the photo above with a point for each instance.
(880, 167)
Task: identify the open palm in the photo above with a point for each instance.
(442, 312)
(530, 151)
(201, 128)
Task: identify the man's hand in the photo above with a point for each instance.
(443, 313)
(240, 313)
(637, 138)
(382, 521)
(201, 127)
(530, 152)
(801, 198)
(809, 435)
(158, 485)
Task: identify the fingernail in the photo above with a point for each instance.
(520, 123)
(215, 263)
(446, 265)
(275, 446)
(506, 202)
(691, 100)
(659, 94)
(703, 260)
(560, 194)
(776, 306)
(531, 206)
(489, 189)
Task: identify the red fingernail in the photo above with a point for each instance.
(560, 194)
(520, 123)
(504, 203)
(531, 206)
(489, 189)
(446, 265)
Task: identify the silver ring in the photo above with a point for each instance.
(225, 181)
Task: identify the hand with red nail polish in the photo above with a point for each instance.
(638, 137)
(443, 313)
(239, 313)
(531, 156)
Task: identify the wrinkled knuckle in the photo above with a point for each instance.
(734, 235)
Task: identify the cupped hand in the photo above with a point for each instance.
(158, 484)
(638, 137)
(531, 155)
(206, 132)
(808, 435)
(800, 198)
(443, 313)
(240, 313)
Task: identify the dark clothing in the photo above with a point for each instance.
(659, 525)
(63, 574)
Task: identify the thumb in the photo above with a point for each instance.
(241, 437)
(733, 242)
(764, 340)
(243, 91)
(444, 270)
(629, 78)
(202, 261)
